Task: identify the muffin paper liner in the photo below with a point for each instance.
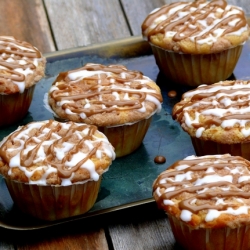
(203, 147)
(196, 69)
(126, 138)
(211, 238)
(15, 106)
(54, 202)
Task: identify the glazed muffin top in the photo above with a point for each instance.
(208, 192)
(21, 65)
(219, 112)
(53, 153)
(197, 27)
(104, 95)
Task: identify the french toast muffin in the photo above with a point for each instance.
(217, 118)
(53, 170)
(207, 201)
(21, 67)
(120, 102)
(196, 42)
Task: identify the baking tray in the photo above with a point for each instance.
(129, 180)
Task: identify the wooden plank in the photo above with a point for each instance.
(79, 23)
(138, 11)
(26, 20)
(86, 235)
(143, 227)
(6, 246)
(154, 234)
(5, 242)
(71, 238)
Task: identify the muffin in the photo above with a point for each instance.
(21, 67)
(207, 201)
(217, 118)
(120, 102)
(196, 42)
(53, 170)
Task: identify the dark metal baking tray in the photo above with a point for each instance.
(129, 180)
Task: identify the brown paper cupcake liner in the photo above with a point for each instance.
(196, 69)
(210, 238)
(203, 147)
(126, 138)
(54, 202)
(15, 106)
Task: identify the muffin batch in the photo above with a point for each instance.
(206, 197)
(53, 168)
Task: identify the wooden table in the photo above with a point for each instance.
(53, 25)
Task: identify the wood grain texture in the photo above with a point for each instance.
(79, 23)
(137, 11)
(142, 228)
(75, 235)
(26, 20)
(6, 246)
(145, 235)
(79, 240)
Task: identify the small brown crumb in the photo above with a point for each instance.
(172, 93)
(159, 159)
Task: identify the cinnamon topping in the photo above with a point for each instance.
(52, 147)
(200, 22)
(18, 59)
(94, 89)
(224, 104)
(206, 186)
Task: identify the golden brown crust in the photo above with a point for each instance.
(217, 112)
(104, 95)
(206, 192)
(53, 153)
(22, 65)
(210, 27)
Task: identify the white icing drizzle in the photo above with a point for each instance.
(19, 59)
(204, 176)
(60, 149)
(186, 215)
(227, 102)
(107, 81)
(207, 26)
